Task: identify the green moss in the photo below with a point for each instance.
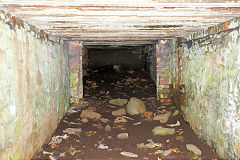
(18, 128)
(17, 155)
(163, 131)
(173, 107)
(166, 73)
(165, 95)
(179, 138)
(6, 157)
(118, 102)
(175, 113)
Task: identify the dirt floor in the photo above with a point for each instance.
(91, 140)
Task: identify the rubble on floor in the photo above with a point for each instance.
(93, 132)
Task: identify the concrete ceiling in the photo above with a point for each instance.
(121, 22)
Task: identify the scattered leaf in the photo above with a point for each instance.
(104, 120)
(48, 153)
(120, 120)
(101, 92)
(128, 118)
(102, 146)
(176, 150)
(75, 123)
(90, 133)
(62, 154)
(135, 124)
(52, 158)
(148, 114)
(179, 138)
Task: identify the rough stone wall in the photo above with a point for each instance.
(34, 86)
(207, 66)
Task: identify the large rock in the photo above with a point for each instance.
(194, 149)
(118, 102)
(163, 118)
(120, 112)
(135, 106)
(161, 131)
(90, 114)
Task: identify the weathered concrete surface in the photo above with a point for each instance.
(130, 58)
(207, 67)
(33, 90)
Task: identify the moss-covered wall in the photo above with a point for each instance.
(34, 86)
(206, 72)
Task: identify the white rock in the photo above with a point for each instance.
(129, 154)
(90, 114)
(102, 146)
(163, 118)
(72, 130)
(120, 112)
(194, 149)
(122, 136)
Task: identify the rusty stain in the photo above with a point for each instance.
(225, 26)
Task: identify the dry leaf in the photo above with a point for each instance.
(101, 92)
(49, 153)
(148, 114)
(137, 123)
(52, 158)
(90, 133)
(128, 118)
(176, 150)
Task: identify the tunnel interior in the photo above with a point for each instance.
(119, 72)
(71, 71)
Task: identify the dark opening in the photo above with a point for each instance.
(119, 73)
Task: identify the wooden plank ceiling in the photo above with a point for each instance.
(121, 22)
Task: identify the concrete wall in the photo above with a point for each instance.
(130, 58)
(149, 60)
(206, 68)
(34, 86)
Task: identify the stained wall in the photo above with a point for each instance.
(34, 87)
(206, 85)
